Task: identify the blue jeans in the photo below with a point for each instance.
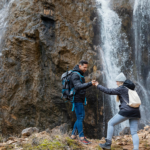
(133, 128)
(80, 114)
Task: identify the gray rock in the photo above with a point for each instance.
(141, 126)
(125, 131)
(48, 130)
(29, 131)
(64, 128)
(35, 141)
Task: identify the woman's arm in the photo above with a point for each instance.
(115, 91)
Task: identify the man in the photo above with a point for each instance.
(79, 99)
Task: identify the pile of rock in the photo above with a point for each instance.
(32, 136)
(13, 142)
(145, 133)
(122, 140)
(125, 137)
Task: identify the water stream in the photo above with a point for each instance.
(4, 12)
(113, 50)
(141, 25)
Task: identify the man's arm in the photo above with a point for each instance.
(77, 83)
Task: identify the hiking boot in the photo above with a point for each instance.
(85, 141)
(106, 145)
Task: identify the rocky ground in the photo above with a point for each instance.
(59, 138)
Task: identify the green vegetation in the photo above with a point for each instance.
(45, 145)
(116, 147)
(146, 145)
(98, 148)
(9, 147)
(55, 144)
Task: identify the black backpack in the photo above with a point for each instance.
(68, 92)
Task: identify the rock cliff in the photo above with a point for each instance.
(43, 37)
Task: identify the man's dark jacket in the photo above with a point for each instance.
(80, 87)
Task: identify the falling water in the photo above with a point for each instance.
(141, 25)
(113, 49)
(4, 12)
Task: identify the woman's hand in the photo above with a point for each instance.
(96, 83)
(93, 82)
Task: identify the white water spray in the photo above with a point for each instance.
(113, 50)
(141, 19)
(4, 12)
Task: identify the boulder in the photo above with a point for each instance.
(125, 131)
(64, 128)
(29, 131)
(141, 126)
(147, 128)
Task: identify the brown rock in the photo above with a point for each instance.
(10, 142)
(147, 128)
(42, 39)
(2, 144)
(118, 138)
(119, 143)
(142, 136)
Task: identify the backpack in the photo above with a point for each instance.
(68, 92)
(134, 99)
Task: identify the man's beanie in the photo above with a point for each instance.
(121, 77)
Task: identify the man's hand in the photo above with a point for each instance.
(96, 83)
(93, 82)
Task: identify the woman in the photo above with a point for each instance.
(126, 112)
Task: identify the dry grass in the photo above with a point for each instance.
(47, 141)
(57, 141)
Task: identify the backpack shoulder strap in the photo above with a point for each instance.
(73, 105)
(78, 74)
(123, 98)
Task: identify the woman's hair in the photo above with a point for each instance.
(117, 98)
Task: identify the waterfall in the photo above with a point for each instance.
(4, 12)
(141, 25)
(113, 50)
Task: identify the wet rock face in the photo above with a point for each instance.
(125, 11)
(42, 39)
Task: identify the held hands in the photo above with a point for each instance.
(94, 82)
